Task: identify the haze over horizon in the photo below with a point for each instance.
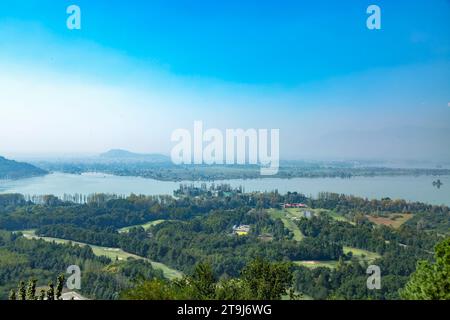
(131, 76)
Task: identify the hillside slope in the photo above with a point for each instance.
(10, 169)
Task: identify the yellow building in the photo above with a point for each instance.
(241, 230)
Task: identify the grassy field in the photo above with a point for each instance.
(338, 217)
(296, 212)
(287, 218)
(111, 253)
(146, 226)
(311, 264)
(289, 215)
(393, 220)
(361, 254)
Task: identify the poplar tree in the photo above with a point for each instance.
(42, 295)
(59, 286)
(51, 292)
(12, 295)
(22, 293)
(31, 290)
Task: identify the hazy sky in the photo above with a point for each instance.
(137, 71)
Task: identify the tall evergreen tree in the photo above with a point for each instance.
(31, 290)
(203, 282)
(59, 286)
(22, 292)
(51, 292)
(12, 295)
(42, 294)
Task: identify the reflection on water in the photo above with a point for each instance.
(403, 187)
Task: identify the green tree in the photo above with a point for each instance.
(42, 294)
(12, 295)
(155, 289)
(260, 280)
(203, 282)
(51, 292)
(233, 289)
(267, 281)
(22, 292)
(431, 281)
(59, 286)
(31, 289)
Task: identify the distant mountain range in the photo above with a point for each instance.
(124, 155)
(10, 169)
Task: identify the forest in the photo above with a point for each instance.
(10, 169)
(21, 260)
(196, 230)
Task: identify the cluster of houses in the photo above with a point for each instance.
(241, 230)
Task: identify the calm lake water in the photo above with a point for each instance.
(407, 187)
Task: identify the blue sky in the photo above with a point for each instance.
(257, 42)
(312, 69)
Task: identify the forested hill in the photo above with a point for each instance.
(10, 169)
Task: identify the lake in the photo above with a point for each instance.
(399, 187)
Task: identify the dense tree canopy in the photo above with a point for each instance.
(260, 280)
(431, 280)
(197, 231)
